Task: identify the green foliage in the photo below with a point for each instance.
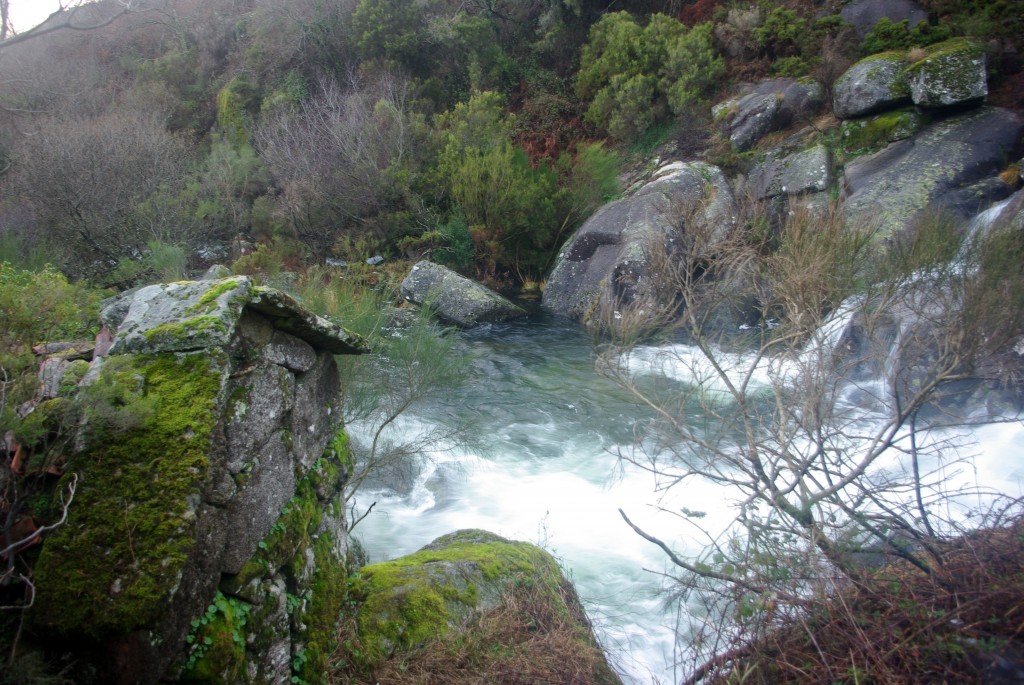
(633, 76)
(36, 306)
(388, 29)
(216, 642)
(782, 33)
(235, 102)
(888, 35)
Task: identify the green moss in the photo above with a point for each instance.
(951, 63)
(407, 601)
(327, 596)
(115, 564)
(208, 302)
(186, 330)
(866, 135)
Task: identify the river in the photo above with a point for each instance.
(545, 468)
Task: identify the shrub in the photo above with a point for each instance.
(633, 76)
(887, 35)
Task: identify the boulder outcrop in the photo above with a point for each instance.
(208, 474)
(454, 298)
(873, 84)
(607, 263)
(770, 105)
(946, 165)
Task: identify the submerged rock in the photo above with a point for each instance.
(454, 298)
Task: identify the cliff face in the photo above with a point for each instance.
(207, 530)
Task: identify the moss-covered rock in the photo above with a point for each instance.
(438, 594)
(873, 133)
(950, 73)
(203, 451)
(454, 298)
(873, 84)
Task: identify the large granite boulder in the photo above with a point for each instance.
(873, 84)
(808, 171)
(864, 14)
(950, 164)
(607, 265)
(454, 298)
(210, 433)
(951, 73)
(771, 105)
(446, 590)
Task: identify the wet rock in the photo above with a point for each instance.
(892, 187)
(454, 298)
(607, 265)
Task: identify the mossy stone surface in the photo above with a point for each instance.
(442, 587)
(116, 564)
(951, 73)
(873, 133)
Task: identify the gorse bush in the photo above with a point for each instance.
(888, 35)
(635, 75)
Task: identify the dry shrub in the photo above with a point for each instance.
(531, 638)
(961, 624)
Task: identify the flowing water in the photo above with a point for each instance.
(545, 469)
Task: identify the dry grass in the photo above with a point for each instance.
(531, 638)
(962, 624)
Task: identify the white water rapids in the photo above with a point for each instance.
(546, 471)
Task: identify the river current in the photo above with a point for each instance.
(545, 468)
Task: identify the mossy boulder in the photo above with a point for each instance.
(454, 298)
(873, 84)
(950, 73)
(197, 444)
(891, 188)
(873, 133)
(439, 593)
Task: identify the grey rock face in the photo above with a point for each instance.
(769, 106)
(454, 298)
(873, 84)
(809, 171)
(953, 73)
(864, 14)
(268, 377)
(607, 263)
(892, 187)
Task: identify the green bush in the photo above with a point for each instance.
(634, 76)
(887, 35)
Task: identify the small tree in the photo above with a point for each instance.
(412, 361)
(818, 423)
